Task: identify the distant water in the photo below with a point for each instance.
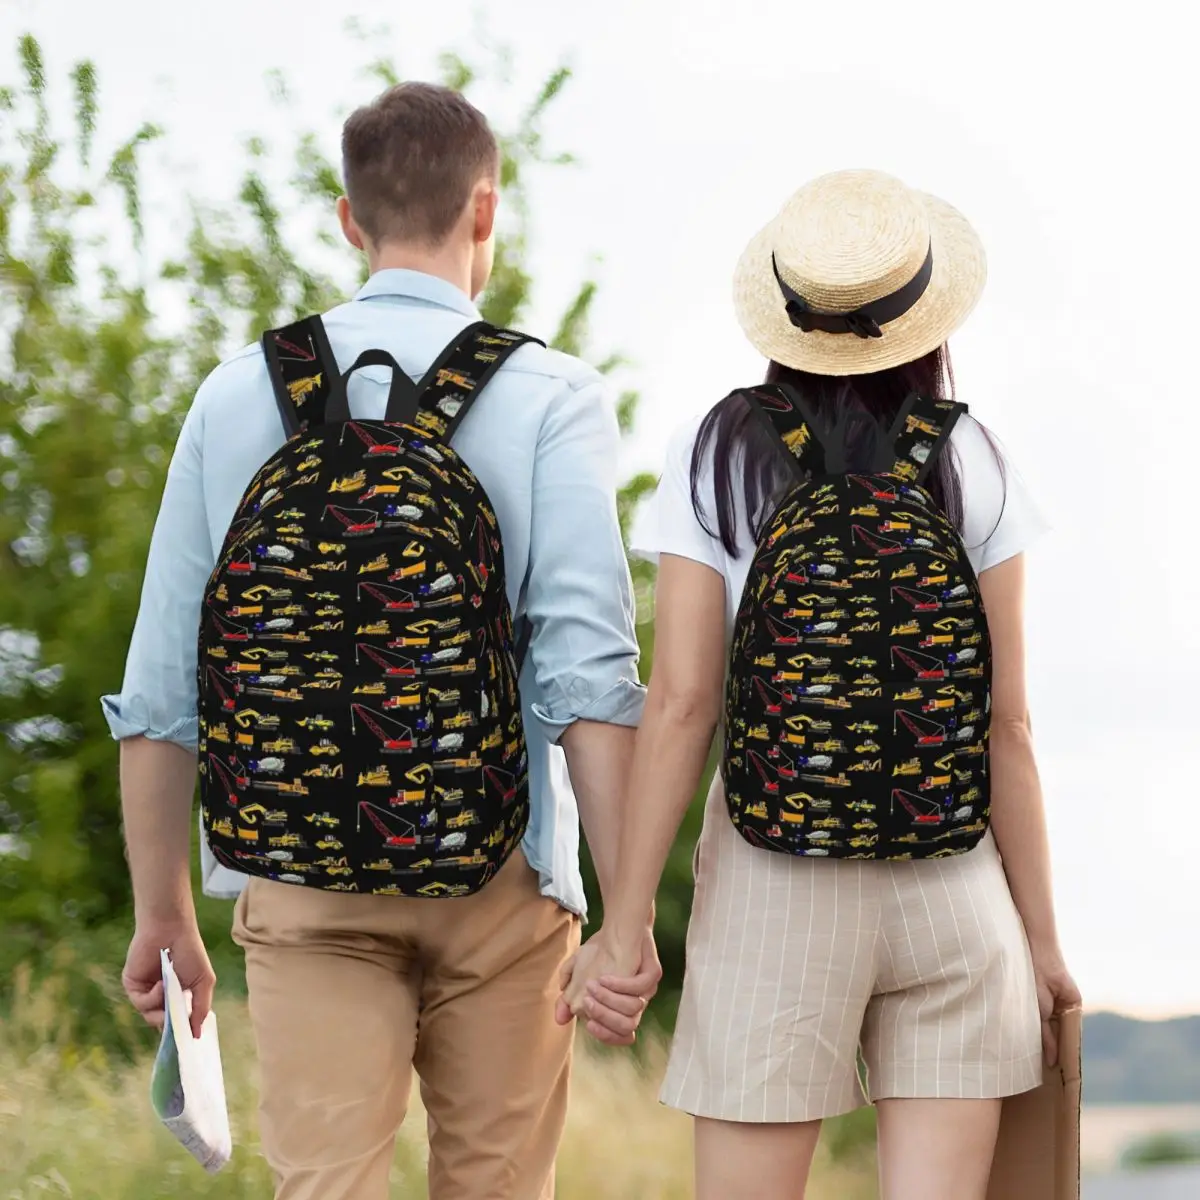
(1107, 1130)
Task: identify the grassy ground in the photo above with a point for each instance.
(73, 1125)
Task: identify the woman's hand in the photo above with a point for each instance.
(609, 988)
(1056, 992)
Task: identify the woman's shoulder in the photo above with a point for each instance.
(1000, 516)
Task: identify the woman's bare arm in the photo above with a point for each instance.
(683, 705)
(1018, 815)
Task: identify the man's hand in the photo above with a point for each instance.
(609, 992)
(142, 977)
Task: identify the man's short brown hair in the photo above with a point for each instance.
(410, 159)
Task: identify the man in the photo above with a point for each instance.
(348, 993)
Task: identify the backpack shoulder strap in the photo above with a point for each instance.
(461, 372)
(920, 433)
(781, 409)
(303, 372)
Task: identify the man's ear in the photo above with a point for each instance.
(487, 198)
(350, 229)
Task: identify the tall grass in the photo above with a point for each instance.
(74, 1123)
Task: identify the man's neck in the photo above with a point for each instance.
(451, 263)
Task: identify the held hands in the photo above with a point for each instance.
(609, 988)
(142, 977)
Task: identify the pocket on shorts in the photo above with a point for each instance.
(242, 930)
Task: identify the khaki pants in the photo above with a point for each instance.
(349, 993)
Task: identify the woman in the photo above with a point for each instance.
(941, 970)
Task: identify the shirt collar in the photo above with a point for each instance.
(416, 285)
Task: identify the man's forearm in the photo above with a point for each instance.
(598, 759)
(157, 783)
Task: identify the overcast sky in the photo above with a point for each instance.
(1065, 136)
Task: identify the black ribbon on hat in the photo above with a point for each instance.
(864, 322)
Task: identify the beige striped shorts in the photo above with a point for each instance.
(795, 966)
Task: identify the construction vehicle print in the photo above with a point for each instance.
(923, 666)
(394, 738)
(329, 843)
(829, 781)
(867, 747)
(393, 599)
(379, 864)
(911, 767)
(922, 810)
(925, 731)
(872, 764)
(477, 859)
(251, 814)
(295, 788)
(757, 810)
(503, 785)
(394, 665)
(412, 571)
(286, 839)
(280, 746)
(247, 835)
(231, 777)
(431, 890)
(448, 796)
(317, 722)
(379, 563)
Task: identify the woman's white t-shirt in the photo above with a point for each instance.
(1000, 518)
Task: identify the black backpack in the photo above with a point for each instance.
(360, 726)
(858, 696)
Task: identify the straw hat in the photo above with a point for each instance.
(858, 272)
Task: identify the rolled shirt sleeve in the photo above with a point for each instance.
(579, 594)
(158, 695)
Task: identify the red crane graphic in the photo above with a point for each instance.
(394, 737)
(233, 781)
(408, 831)
(771, 697)
(503, 783)
(880, 545)
(879, 489)
(926, 732)
(482, 570)
(924, 666)
(354, 521)
(783, 634)
(229, 631)
(393, 599)
(929, 812)
(392, 664)
(294, 352)
(378, 444)
(767, 773)
(241, 564)
(783, 764)
(919, 601)
(228, 689)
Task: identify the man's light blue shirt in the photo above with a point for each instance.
(544, 442)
